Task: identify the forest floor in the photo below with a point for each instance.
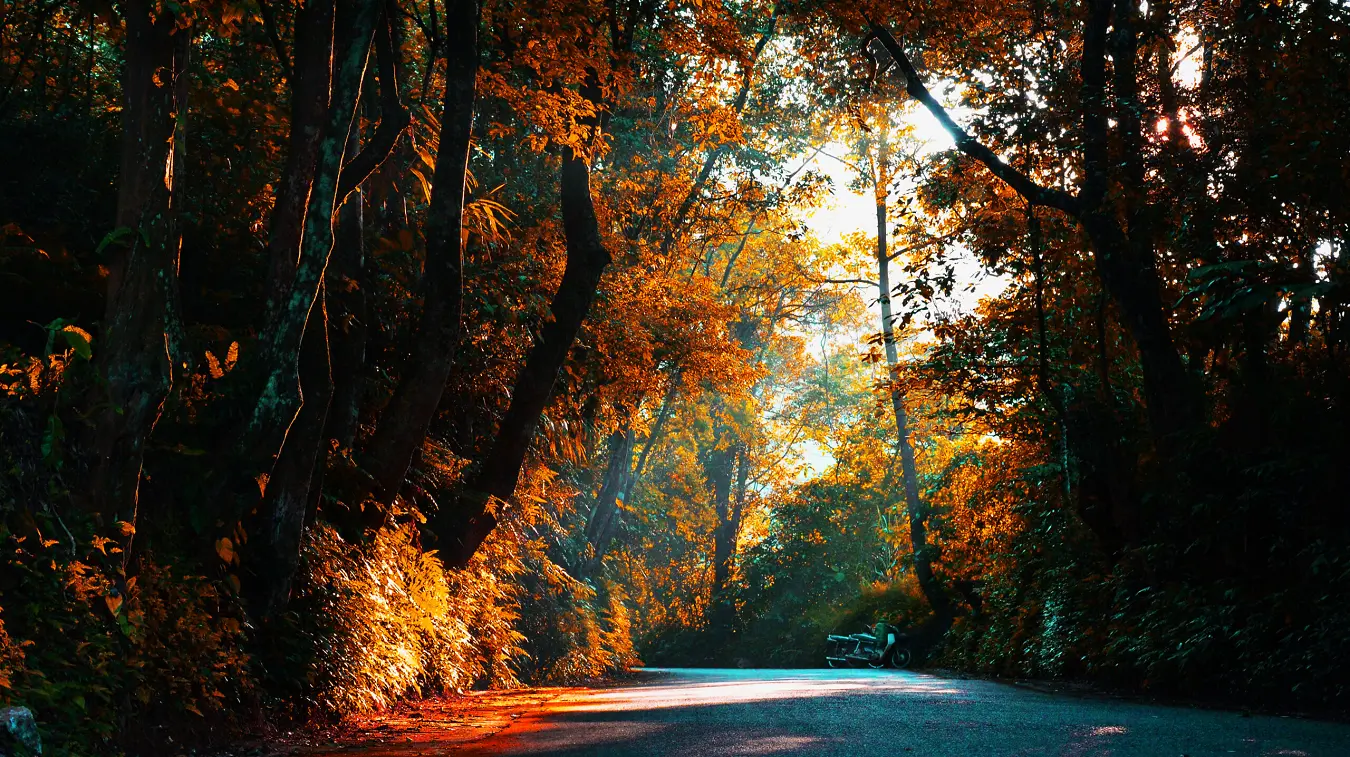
(428, 727)
(431, 726)
(825, 713)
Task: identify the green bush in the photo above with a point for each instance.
(103, 659)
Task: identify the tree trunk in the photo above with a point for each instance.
(272, 551)
(729, 475)
(918, 511)
(721, 468)
(143, 333)
(345, 285)
(292, 413)
(1135, 288)
(605, 531)
(295, 487)
(315, 67)
(258, 452)
(608, 499)
(464, 528)
(404, 421)
(1105, 501)
(310, 82)
(280, 398)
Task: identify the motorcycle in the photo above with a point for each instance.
(884, 645)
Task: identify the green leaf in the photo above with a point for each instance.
(113, 237)
(51, 440)
(79, 340)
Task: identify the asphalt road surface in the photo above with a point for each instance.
(858, 713)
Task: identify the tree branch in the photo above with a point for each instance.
(270, 26)
(868, 282)
(922, 245)
(394, 118)
(710, 162)
(1024, 185)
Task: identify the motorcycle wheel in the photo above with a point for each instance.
(901, 657)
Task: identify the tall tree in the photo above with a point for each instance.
(881, 180)
(404, 421)
(281, 437)
(143, 339)
(465, 527)
(1125, 256)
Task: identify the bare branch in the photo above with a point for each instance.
(1030, 190)
(846, 162)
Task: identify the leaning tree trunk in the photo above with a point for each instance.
(612, 486)
(937, 596)
(404, 421)
(604, 531)
(462, 529)
(143, 334)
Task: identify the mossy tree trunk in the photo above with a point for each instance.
(143, 341)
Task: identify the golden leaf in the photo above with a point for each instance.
(426, 158)
(100, 543)
(114, 603)
(213, 365)
(422, 181)
(225, 548)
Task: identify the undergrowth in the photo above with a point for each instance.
(121, 649)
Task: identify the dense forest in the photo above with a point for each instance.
(360, 350)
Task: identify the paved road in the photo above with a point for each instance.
(830, 713)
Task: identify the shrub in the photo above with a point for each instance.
(104, 659)
(385, 621)
(575, 633)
